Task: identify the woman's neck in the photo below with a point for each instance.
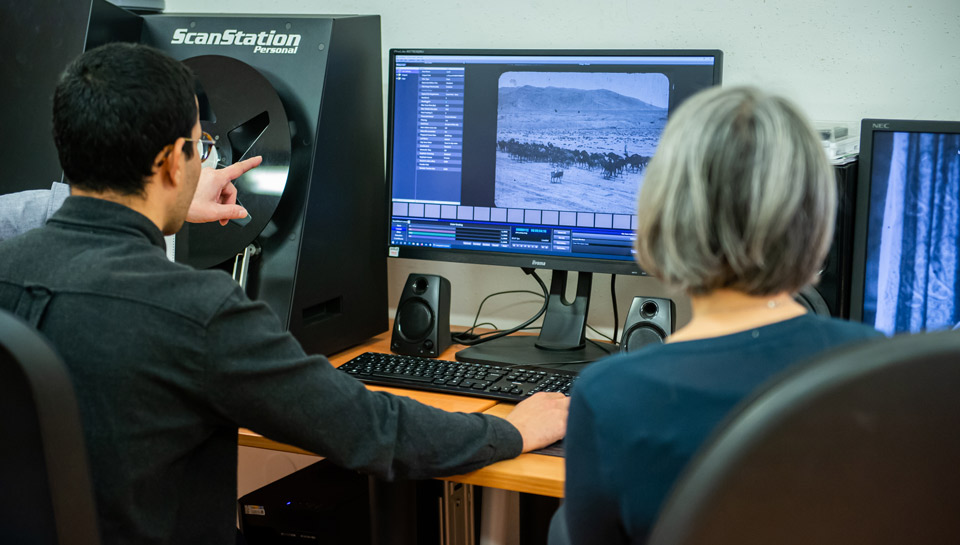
(725, 311)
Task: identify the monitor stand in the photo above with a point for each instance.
(562, 341)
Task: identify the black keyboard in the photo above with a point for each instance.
(501, 382)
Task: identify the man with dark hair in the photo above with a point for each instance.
(168, 361)
(104, 102)
(126, 164)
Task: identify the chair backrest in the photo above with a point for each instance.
(45, 490)
(860, 447)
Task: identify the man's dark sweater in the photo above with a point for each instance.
(168, 361)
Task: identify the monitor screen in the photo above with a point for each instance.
(528, 158)
(906, 263)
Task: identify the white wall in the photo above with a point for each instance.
(840, 60)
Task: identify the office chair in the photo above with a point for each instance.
(860, 447)
(45, 491)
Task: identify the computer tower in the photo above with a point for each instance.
(305, 92)
(323, 503)
(833, 289)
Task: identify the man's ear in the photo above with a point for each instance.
(174, 163)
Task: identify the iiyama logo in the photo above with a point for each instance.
(539, 263)
(263, 42)
(881, 125)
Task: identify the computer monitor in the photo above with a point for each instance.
(906, 271)
(530, 159)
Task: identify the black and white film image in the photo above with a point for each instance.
(577, 141)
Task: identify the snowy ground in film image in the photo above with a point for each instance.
(576, 141)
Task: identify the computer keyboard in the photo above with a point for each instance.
(500, 382)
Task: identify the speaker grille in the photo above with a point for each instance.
(640, 336)
(414, 320)
(649, 321)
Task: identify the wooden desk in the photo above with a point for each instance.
(528, 473)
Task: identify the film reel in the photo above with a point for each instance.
(241, 110)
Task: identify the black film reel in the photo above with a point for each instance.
(243, 113)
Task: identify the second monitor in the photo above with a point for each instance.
(906, 272)
(530, 159)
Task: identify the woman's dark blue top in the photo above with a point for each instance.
(637, 418)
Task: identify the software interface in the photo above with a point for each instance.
(913, 233)
(533, 154)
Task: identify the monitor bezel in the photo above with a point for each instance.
(868, 128)
(580, 264)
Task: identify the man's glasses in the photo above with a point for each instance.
(204, 145)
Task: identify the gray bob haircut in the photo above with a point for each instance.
(738, 195)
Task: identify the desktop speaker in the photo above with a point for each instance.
(649, 321)
(422, 324)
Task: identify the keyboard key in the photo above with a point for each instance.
(399, 376)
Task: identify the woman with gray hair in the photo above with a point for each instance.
(737, 209)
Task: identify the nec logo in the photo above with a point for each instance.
(538, 263)
(881, 125)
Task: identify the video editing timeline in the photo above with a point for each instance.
(513, 230)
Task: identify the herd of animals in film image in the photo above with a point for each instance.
(577, 141)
